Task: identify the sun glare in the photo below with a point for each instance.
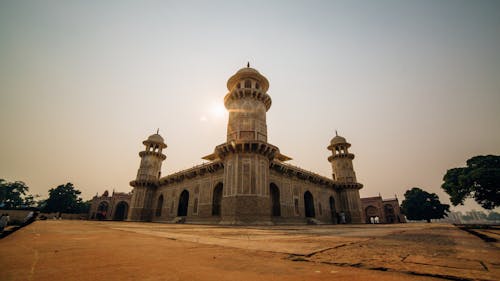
(218, 110)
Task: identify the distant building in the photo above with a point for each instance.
(246, 179)
(114, 207)
(386, 210)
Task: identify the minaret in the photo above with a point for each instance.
(345, 177)
(246, 154)
(341, 160)
(147, 178)
(247, 102)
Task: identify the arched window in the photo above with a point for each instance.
(257, 86)
(159, 206)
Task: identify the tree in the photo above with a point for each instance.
(83, 206)
(421, 205)
(29, 201)
(479, 180)
(12, 193)
(63, 198)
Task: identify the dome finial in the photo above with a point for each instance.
(336, 134)
(248, 64)
(158, 131)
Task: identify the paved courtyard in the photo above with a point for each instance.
(90, 250)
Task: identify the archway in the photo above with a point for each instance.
(159, 206)
(183, 204)
(371, 212)
(332, 210)
(102, 210)
(390, 217)
(121, 211)
(217, 200)
(309, 205)
(275, 200)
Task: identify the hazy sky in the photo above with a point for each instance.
(414, 86)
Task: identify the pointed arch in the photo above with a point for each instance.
(121, 211)
(275, 200)
(102, 210)
(309, 205)
(217, 199)
(182, 210)
(332, 209)
(159, 206)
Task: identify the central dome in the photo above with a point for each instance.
(247, 72)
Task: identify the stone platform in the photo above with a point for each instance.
(88, 250)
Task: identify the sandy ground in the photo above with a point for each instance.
(87, 250)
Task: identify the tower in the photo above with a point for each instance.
(147, 178)
(246, 154)
(341, 160)
(345, 177)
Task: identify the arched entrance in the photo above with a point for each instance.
(121, 211)
(309, 205)
(217, 200)
(275, 200)
(332, 210)
(390, 217)
(102, 210)
(371, 213)
(159, 206)
(183, 204)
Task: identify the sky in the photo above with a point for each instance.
(414, 86)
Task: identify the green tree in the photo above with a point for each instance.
(63, 198)
(421, 205)
(12, 193)
(83, 206)
(479, 180)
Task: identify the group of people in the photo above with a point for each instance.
(4, 221)
(374, 220)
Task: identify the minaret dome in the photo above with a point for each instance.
(248, 78)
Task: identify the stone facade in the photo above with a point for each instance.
(246, 179)
(386, 210)
(114, 207)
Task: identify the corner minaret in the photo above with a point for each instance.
(341, 160)
(246, 154)
(147, 178)
(345, 179)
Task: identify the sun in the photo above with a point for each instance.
(218, 110)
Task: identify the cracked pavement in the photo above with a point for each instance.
(90, 250)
